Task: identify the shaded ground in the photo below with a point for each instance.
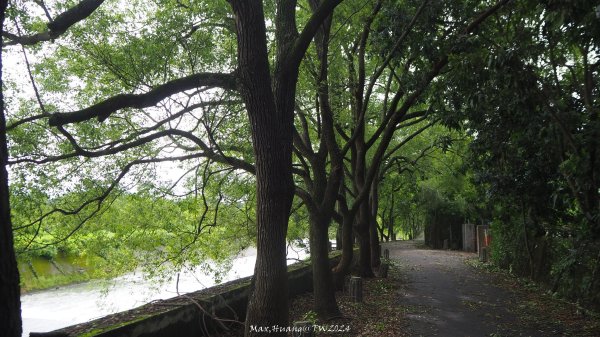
(445, 293)
(444, 296)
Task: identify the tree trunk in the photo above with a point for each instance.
(381, 231)
(268, 304)
(374, 206)
(375, 245)
(325, 186)
(338, 237)
(343, 267)
(325, 304)
(391, 233)
(364, 258)
(364, 211)
(271, 125)
(10, 303)
(364, 241)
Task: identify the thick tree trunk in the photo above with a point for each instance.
(270, 104)
(364, 211)
(10, 303)
(591, 184)
(325, 186)
(365, 268)
(320, 211)
(338, 237)
(364, 257)
(269, 301)
(271, 128)
(325, 304)
(343, 267)
(268, 304)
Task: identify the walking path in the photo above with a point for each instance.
(443, 296)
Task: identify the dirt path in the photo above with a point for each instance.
(443, 296)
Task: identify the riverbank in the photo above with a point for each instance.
(40, 273)
(56, 308)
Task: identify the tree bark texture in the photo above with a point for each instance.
(270, 104)
(364, 255)
(363, 223)
(10, 300)
(320, 214)
(343, 267)
(271, 139)
(325, 304)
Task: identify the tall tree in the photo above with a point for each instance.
(10, 308)
(321, 178)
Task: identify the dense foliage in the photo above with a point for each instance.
(528, 95)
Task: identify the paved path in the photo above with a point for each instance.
(445, 297)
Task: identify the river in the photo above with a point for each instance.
(56, 308)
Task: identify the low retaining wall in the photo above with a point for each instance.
(187, 315)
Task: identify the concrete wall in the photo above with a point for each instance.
(187, 315)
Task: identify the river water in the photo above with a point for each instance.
(57, 308)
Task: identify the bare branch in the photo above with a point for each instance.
(412, 118)
(409, 138)
(43, 6)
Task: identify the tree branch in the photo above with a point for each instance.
(390, 55)
(400, 113)
(207, 152)
(104, 109)
(309, 31)
(59, 25)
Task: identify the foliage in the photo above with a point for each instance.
(143, 231)
(102, 189)
(525, 93)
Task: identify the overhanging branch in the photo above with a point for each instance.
(104, 109)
